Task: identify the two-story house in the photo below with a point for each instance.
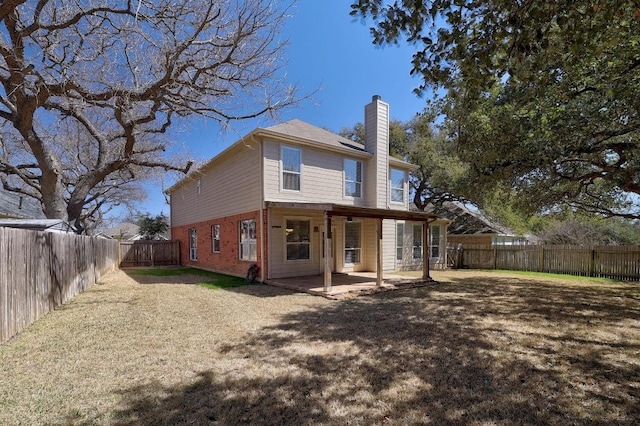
(299, 200)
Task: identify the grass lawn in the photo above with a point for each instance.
(210, 280)
(476, 347)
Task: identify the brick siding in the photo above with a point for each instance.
(228, 260)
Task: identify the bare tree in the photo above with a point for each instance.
(110, 77)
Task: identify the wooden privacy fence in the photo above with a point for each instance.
(40, 271)
(149, 253)
(618, 262)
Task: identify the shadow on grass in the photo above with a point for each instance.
(212, 280)
(502, 351)
(183, 275)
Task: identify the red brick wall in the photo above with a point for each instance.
(228, 260)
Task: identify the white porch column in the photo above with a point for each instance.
(425, 250)
(327, 253)
(379, 253)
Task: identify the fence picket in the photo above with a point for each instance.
(149, 253)
(39, 271)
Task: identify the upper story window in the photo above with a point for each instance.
(397, 185)
(352, 178)
(291, 166)
(198, 187)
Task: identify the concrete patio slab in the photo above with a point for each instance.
(349, 285)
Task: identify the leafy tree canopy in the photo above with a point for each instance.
(541, 97)
(152, 227)
(440, 174)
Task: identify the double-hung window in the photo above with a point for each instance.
(298, 239)
(352, 242)
(352, 178)
(215, 238)
(399, 241)
(291, 168)
(248, 240)
(397, 185)
(193, 244)
(417, 241)
(434, 241)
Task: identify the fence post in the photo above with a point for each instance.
(541, 260)
(592, 262)
(495, 257)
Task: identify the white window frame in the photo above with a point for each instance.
(298, 173)
(435, 242)
(417, 241)
(198, 187)
(394, 189)
(215, 237)
(247, 246)
(356, 250)
(399, 240)
(306, 242)
(357, 183)
(193, 244)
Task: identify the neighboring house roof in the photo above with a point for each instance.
(13, 205)
(49, 225)
(124, 231)
(465, 221)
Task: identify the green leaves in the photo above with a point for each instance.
(152, 227)
(538, 94)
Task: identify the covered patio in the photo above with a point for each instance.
(330, 283)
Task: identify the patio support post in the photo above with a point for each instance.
(327, 253)
(379, 253)
(425, 250)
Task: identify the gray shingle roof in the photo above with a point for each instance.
(13, 205)
(300, 129)
(38, 224)
(465, 221)
(124, 231)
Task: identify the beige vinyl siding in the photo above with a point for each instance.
(408, 262)
(229, 186)
(278, 265)
(321, 176)
(388, 245)
(369, 243)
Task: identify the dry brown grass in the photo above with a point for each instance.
(475, 348)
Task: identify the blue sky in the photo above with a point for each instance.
(329, 51)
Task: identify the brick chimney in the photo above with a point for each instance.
(376, 141)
